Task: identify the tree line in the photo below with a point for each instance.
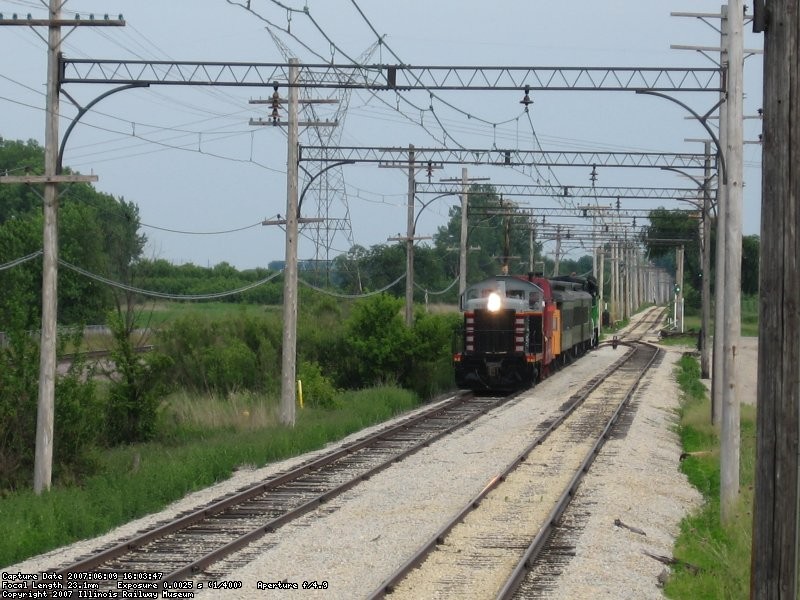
(102, 234)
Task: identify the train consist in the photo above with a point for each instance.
(518, 329)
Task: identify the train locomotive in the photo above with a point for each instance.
(517, 330)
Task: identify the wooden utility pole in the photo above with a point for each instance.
(43, 456)
(463, 241)
(43, 459)
(628, 279)
(464, 237)
(639, 279)
(776, 529)
(614, 273)
(292, 224)
(409, 238)
(705, 369)
(410, 241)
(720, 304)
(679, 261)
(730, 435)
(289, 356)
(531, 244)
(600, 284)
(557, 261)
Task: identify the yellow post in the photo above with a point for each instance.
(300, 392)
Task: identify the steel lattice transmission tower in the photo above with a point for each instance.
(328, 190)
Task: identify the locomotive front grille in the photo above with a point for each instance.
(494, 332)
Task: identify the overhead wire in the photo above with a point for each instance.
(164, 145)
(333, 45)
(226, 231)
(163, 295)
(18, 261)
(211, 296)
(353, 296)
(394, 54)
(440, 122)
(372, 93)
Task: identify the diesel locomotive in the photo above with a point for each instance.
(518, 329)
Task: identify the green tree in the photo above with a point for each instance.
(433, 337)
(673, 225)
(499, 236)
(378, 344)
(96, 232)
(19, 158)
(347, 270)
(751, 251)
(667, 230)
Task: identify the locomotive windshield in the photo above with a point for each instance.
(536, 299)
(512, 291)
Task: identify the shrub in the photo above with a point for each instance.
(318, 390)
(136, 389)
(377, 343)
(431, 370)
(229, 366)
(221, 356)
(76, 415)
(19, 361)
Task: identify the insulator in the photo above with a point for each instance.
(526, 100)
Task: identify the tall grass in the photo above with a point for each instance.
(197, 446)
(241, 411)
(720, 552)
(161, 313)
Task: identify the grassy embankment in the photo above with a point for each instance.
(719, 555)
(199, 443)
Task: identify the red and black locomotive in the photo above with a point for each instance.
(518, 329)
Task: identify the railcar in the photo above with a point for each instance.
(516, 330)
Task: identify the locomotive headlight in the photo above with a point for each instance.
(493, 302)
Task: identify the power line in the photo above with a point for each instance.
(202, 232)
(162, 295)
(19, 261)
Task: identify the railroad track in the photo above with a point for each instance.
(649, 322)
(489, 547)
(182, 548)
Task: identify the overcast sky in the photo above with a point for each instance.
(189, 158)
